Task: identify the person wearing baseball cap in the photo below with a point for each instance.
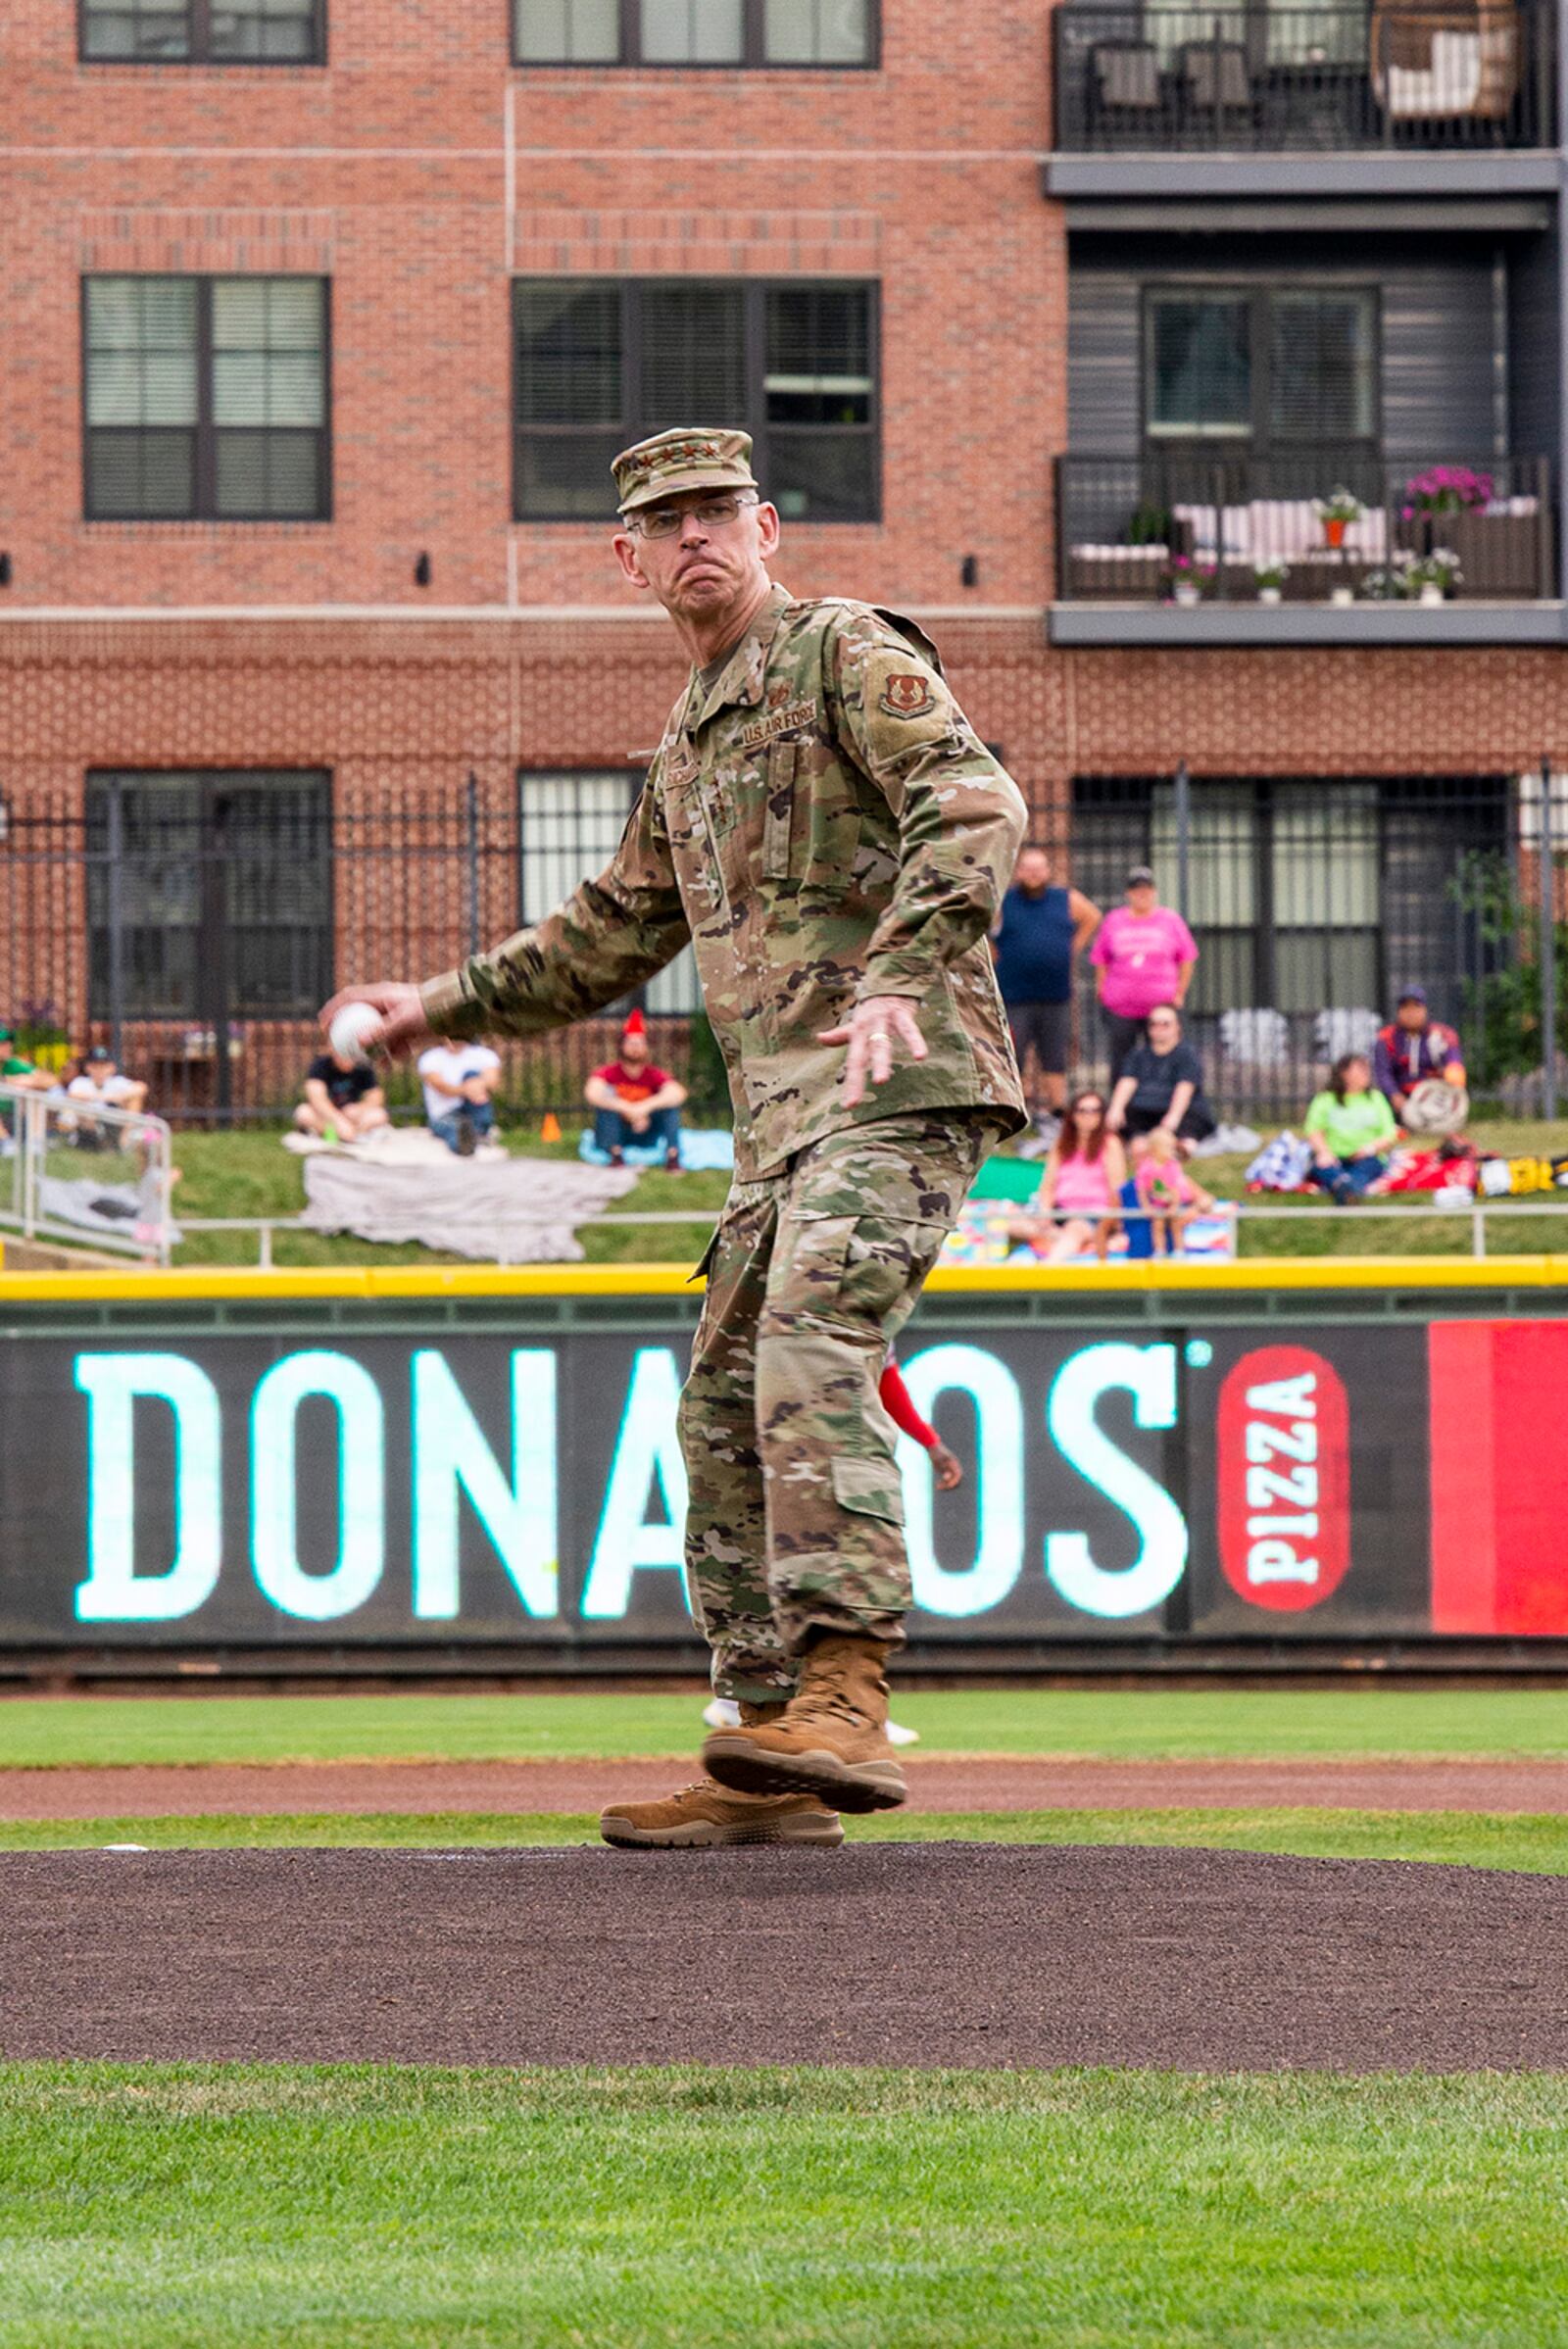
(1144, 955)
(829, 833)
(1414, 1053)
(635, 1104)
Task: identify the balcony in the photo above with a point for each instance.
(1175, 548)
(1391, 79)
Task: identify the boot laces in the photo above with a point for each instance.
(829, 1694)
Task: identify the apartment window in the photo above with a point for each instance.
(223, 906)
(695, 32)
(1305, 895)
(206, 396)
(218, 32)
(1275, 368)
(569, 823)
(600, 365)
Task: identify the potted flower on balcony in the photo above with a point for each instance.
(1188, 580)
(1270, 578)
(1428, 578)
(1337, 511)
(1445, 489)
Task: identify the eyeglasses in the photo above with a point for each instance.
(1089, 1109)
(715, 513)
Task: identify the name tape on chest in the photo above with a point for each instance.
(781, 721)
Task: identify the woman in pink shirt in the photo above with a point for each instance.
(1144, 956)
(1080, 1192)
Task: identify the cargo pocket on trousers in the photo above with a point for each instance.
(870, 1489)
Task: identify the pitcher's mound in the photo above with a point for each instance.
(926, 1954)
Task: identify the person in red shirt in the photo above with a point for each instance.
(634, 1103)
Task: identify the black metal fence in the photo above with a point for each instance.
(1254, 77)
(195, 923)
(1314, 902)
(1314, 527)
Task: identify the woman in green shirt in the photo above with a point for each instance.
(1350, 1128)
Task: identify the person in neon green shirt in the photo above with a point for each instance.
(1350, 1128)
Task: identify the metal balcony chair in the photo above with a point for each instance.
(1126, 92)
(1214, 88)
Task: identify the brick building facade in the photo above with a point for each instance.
(413, 632)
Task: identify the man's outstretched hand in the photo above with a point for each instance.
(404, 1027)
(875, 1029)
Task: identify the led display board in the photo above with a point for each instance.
(1340, 1481)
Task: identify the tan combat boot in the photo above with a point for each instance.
(701, 1817)
(831, 1740)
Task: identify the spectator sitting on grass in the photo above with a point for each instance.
(1161, 1085)
(1350, 1129)
(1080, 1189)
(343, 1099)
(99, 1083)
(459, 1079)
(634, 1103)
(16, 1069)
(1413, 1049)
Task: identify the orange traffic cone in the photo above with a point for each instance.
(550, 1131)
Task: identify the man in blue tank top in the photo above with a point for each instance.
(1040, 928)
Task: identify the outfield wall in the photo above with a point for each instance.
(470, 1466)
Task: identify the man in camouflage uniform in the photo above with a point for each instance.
(824, 825)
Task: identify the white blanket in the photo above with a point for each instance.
(497, 1209)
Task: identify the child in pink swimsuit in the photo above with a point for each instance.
(1080, 1192)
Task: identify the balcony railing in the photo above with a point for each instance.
(1173, 527)
(1257, 79)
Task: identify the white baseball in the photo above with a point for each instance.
(356, 1028)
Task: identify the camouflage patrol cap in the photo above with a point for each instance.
(692, 457)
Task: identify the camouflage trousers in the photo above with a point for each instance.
(795, 1521)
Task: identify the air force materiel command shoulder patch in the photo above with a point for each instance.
(908, 695)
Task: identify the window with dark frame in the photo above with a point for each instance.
(1266, 368)
(569, 823)
(1304, 894)
(218, 32)
(206, 398)
(600, 365)
(749, 33)
(224, 895)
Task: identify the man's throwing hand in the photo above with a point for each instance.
(401, 1008)
(873, 1029)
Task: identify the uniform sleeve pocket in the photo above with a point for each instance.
(870, 1487)
(778, 823)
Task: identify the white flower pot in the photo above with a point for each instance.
(1268, 594)
(1342, 594)
(1185, 595)
(1430, 594)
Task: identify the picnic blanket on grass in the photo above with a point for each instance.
(495, 1209)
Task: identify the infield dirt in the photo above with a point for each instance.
(931, 1955)
(939, 1783)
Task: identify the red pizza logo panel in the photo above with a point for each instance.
(1283, 1479)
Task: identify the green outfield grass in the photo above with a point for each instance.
(248, 1173)
(1353, 1722)
(1534, 1845)
(206, 2207)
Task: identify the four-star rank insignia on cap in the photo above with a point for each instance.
(908, 695)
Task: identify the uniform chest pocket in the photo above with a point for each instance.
(811, 818)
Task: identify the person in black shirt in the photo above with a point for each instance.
(1162, 1084)
(343, 1099)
